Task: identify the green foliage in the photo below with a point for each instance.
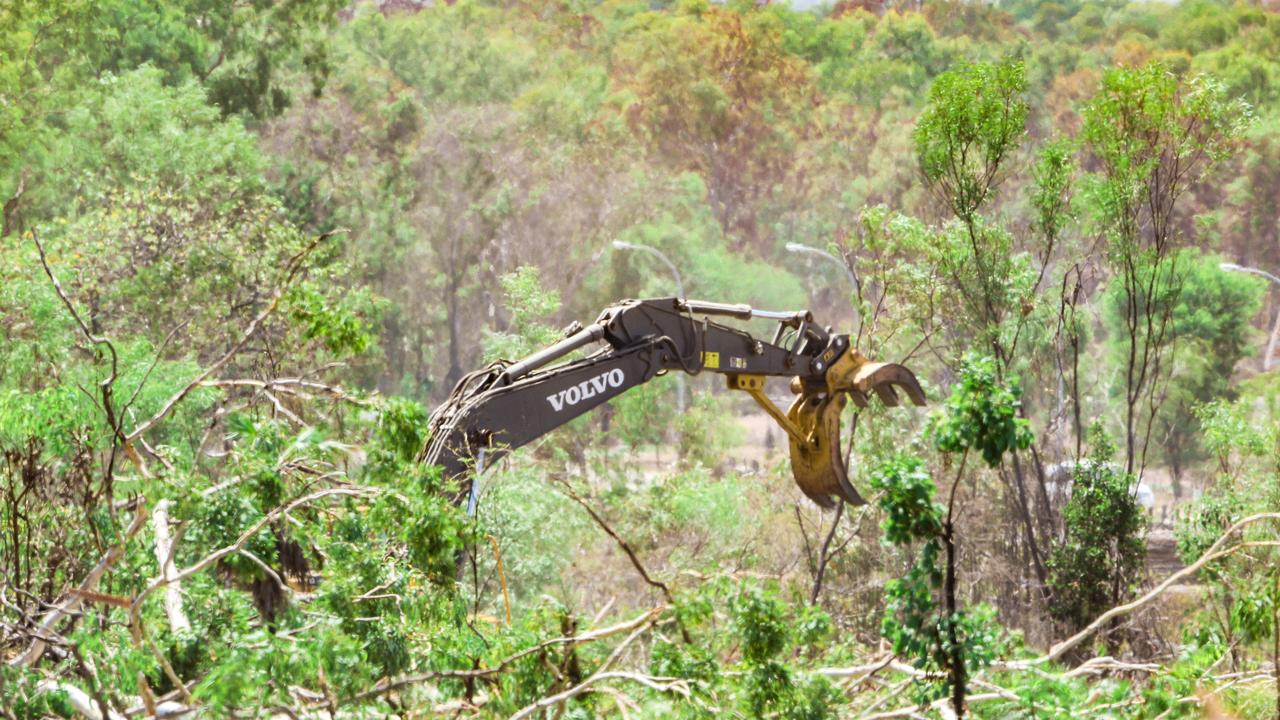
(343, 325)
(981, 414)
(529, 304)
(1231, 436)
(447, 54)
(923, 616)
(915, 620)
(240, 53)
(1241, 589)
(758, 621)
(911, 515)
(177, 159)
(1051, 187)
(1212, 331)
(974, 119)
(707, 431)
(642, 416)
(1099, 562)
(514, 508)
(1141, 120)
(1209, 314)
(762, 628)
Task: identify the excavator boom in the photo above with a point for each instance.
(506, 405)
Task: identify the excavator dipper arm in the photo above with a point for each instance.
(508, 405)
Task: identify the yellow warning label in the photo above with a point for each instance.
(711, 359)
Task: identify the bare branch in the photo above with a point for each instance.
(75, 599)
(626, 547)
(178, 622)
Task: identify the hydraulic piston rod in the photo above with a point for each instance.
(743, 312)
(585, 336)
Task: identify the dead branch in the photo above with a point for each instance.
(178, 621)
(75, 599)
(626, 547)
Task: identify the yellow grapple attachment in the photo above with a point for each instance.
(813, 421)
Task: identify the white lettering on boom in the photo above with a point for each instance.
(586, 389)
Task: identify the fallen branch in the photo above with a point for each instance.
(78, 699)
(178, 621)
(860, 671)
(288, 384)
(604, 673)
(1213, 553)
(661, 684)
(640, 621)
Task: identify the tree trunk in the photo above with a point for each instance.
(956, 653)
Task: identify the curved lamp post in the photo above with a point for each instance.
(801, 249)
(675, 273)
(1275, 327)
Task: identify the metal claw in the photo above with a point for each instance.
(817, 460)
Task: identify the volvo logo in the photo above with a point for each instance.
(589, 388)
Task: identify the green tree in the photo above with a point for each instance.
(1100, 560)
(974, 123)
(923, 616)
(1210, 333)
(1152, 136)
(244, 55)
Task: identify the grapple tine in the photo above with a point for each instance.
(818, 465)
(816, 458)
(812, 423)
(873, 376)
(887, 395)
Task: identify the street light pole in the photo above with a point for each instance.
(675, 273)
(1275, 327)
(801, 249)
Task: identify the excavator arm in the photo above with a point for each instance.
(507, 405)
